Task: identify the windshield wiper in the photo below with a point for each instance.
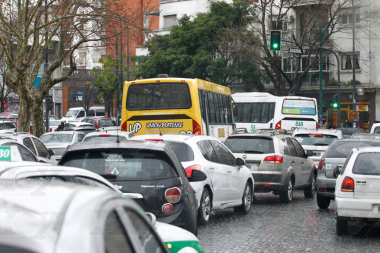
(321, 144)
(253, 151)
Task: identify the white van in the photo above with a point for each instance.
(78, 113)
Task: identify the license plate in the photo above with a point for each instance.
(253, 166)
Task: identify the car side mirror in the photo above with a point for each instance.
(51, 152)
(240, 162)
(197, 176)
(336, 172)
(309, 153)
(151, 218)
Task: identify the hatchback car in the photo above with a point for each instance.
(100, 122)
(72, 218)
(278, 163)
(357, 192)
(228, 183)
(150, 170)
(60, 141)
(317, 140)
(334, 157)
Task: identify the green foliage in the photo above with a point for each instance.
(203, 48)
(106, 81)
(332, 82)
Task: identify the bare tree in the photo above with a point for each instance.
(6, 93)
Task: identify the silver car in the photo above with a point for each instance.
(278, 163)
(44, 217)
(60, 141)
(107, 136)
(334, 157)
(317, 140)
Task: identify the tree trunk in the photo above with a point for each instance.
(24, 113)
(38, 121)
(107, 104)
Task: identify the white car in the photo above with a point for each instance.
(107, 136)
(316, 140)
(375, 129)
(229, 183)
(357, 190)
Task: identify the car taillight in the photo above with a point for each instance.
(321, 165)
(173, 195)
(275, 159)
(278, 125)
(50, 129)
(316, 125)
(124, 126)
(348, 185)
(68, 146)
(167, 209)
(189, 170)
(196, 128)
(104, 135)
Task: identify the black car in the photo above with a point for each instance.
(148, 171)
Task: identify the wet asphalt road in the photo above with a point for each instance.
(275, 227)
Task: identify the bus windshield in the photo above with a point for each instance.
(299, 107)
(157, 96)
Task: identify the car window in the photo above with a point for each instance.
(346, 162)
(42, 150)
(80, 114)
(29, 144)
(104, 138)
(182, 150)
(106, 123)
(80, 137)
(341, 149)
(145, 234)
(116, 239)
(100, 113)
(90, 181)
(7, 125)
(284, 147)
(377, 130)
(291, 148)
(252, 145)
(91, 113)
(208, 151)
(299, 149)
(367, 164)
(222, 153)
(56, 138)
(26, 155)
(129, 164)
(48, 178)
(317, 139)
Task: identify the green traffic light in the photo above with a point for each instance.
(335, 105)
(275, 45)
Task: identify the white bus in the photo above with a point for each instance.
(260, 110)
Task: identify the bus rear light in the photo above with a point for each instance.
(321, 165)
(167, 209)
(124, 126)
(278, 125)
(133, 82)
(348, 185)
(182, 81)
(157, 81)
(274, 159)
(173, 195)
(189, 170)
(196, 128)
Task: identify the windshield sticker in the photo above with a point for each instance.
(115, 171)
(299, 140)
(115, 158)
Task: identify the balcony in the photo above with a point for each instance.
(302, 3)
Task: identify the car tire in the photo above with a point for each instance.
(205, 207)
(341, 226)
(246, 200)
(287, 195)
(309, 191)
(323, 202)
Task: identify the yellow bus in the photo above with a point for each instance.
(177, 106)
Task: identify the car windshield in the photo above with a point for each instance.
(253, 145)
(367, 164)
(56, 138)
(315, 139)
(128, 164)
(104, 138)
(182, 150)
(341, 149)
(71, 113)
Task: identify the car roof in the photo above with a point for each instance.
(367, 149)
(356, 139)
(112, 133)
(61, 132)
(323, 131)
(172, 137)
(159, 146)
(279, 136)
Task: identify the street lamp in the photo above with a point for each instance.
(353, 61)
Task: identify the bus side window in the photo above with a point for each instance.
(255, 116)
(217, 110)
(264, 113)
(229, 111)
(271, 111)
(212, 107)
(225, 109)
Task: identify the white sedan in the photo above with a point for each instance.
(357, 191)
(228, 184)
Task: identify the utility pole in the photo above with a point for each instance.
(121, 76)
(117, 86)
(353, 63)
(320, 80)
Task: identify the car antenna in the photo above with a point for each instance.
(117, 134)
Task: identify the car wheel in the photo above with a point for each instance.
(246, 200)
(309, 191)
(341, 226)
(287, 195)
(205, 208)
(323, 202)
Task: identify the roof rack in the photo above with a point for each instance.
(240, 130)
(271, 131)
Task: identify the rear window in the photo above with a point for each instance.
(56, 138)
(106, 123)
(104, 138)
(127, 164)
(250, 145)
(183, 151)
(7, 125)
(315, 139)
(341, 149)
(367, 164)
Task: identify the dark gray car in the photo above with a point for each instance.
(334, 157)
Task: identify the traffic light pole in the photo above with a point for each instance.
(337, 59)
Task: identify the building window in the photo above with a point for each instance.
(347, 17)
(289, 64)
(278, 24)
(347, 61)
(170, 20)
